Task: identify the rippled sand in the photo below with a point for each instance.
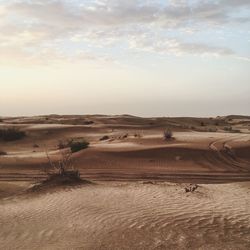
(135, 215)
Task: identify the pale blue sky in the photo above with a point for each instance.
(148, 58)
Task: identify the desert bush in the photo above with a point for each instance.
(76, 146)
(202, 124)
(11, 134)
(168, 134)
(124, 136)
(88, 122)
(65, 162)
(3, 153)
(1, 120)
(60, 173)
(104, 138)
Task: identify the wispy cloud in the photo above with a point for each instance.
(30, 27)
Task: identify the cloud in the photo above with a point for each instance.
(35, 25)
(174, 46)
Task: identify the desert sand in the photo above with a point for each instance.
(137, 197)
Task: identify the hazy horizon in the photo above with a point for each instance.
(144, 58)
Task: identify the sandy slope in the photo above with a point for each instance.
(129, 216)
(192, 155)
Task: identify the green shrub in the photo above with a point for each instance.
(76, 146)
(11, 134)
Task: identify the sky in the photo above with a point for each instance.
(145, 58)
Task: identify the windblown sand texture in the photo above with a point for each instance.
(137, 199)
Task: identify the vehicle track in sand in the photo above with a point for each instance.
(225, 153)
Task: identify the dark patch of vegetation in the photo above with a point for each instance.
(202, 124)
(1, 120)
(138, 135)
(88, 122)
(76, 146)
(35, 145)
(67, 179)
(104, 138)
(3, 153)
(167, 134)
(125, 136)
(11, 134)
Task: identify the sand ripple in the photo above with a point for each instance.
(129, 216)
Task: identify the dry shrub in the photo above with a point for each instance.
(60, 173)
(74, 145)
(104, 138)
(3, 153)
(167, 134)
(11, 134)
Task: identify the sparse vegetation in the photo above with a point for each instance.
(11, 134)
(64, 164)
(138, 135)
(168, 134)
(88, 122)
(202, 124)
(60, 173)
(74, 145)
(104, 138)
(3, 153)
(125, 136)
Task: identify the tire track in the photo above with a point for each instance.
(224, 153)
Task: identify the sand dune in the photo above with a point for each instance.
(138, 199)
